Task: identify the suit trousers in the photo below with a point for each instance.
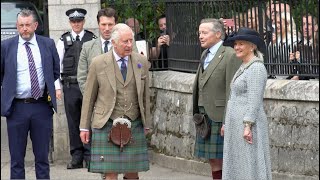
(73, 104)
(35, 118)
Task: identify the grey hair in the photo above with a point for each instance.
(217, 26)
(27, 13)
(258, 53)
(115, 33)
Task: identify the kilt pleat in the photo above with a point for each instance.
(211, 147)
(107, 158)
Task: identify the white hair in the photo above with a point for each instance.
(117, 29)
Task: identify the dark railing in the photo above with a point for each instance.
(282, 25)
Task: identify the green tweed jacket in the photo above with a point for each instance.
(215, 84)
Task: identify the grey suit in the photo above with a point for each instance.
(90, 50)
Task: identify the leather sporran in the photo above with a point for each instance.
(203, 127)
(120, 133)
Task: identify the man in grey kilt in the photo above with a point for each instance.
(117, 91)
(211, 91)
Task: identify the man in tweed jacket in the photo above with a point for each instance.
(117, 86)
(211, 90)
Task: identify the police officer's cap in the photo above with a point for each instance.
(76, 14)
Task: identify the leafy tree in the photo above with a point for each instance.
(145, 11)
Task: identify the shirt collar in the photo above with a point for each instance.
(33, 40)
(103, 40)
(117, 57)
(213, 50)
(74, 35)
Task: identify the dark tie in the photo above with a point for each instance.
(106, 46)
(77, 38)
(35, 87)
(123, 68)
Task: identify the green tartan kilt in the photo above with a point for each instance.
(107, 158)
(212, 146)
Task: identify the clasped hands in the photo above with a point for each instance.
(164, 39)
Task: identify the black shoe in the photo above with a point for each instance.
(87, 163)
(75, 165)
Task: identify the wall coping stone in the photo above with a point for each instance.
(275, 89)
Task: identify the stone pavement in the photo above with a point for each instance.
(59, 171)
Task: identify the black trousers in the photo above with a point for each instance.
(73, 104)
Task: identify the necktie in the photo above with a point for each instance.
(35, 87)
(204, 59)
(106, 46)
(123, 69)
(77, 38)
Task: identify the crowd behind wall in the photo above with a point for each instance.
(289, 27)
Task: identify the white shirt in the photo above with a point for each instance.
(61, 51)
(23, 74)
(102, 44)
(118, 59)
(213, 50)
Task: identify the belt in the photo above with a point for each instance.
(69, 80)
(31, 100)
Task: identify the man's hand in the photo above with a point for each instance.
(58, 94)
(164, 39)
(85, 136)
(222, 130)
(294, 55)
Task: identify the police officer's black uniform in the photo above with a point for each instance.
(71, 90)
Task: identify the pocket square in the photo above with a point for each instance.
(143, 77)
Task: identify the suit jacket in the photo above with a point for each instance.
(216, 83)
(100, 90)
(50, 64)
(90, 50)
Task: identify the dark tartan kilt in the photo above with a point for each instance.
(212, 146)
(107, 158)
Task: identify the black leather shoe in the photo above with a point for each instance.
(74, 165)
(87, 163)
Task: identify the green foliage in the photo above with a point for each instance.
(145, 11)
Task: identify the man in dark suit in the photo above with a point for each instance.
(29, 67)
(211, 90)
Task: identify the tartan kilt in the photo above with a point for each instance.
(212, 146)
(107, 158)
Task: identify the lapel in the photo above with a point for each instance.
(13, 54)
(243, 67)
(98, 46)
(136, 71)
(42, 49)
(214, 63)
(129, 72)
(110, 71)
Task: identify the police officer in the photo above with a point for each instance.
(69, 48)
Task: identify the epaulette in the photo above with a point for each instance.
(93, 35)
(61, 38)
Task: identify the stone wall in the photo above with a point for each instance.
(292, 108)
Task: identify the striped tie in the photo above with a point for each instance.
(123, 69)
(35, 87)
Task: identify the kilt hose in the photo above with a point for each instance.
(212, 146)
(107, 158)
